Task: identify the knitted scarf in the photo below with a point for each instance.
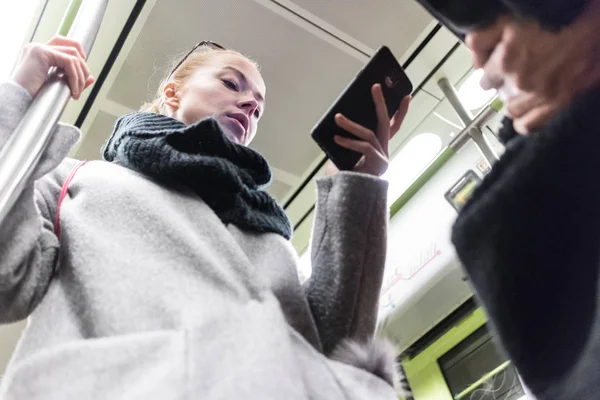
(230, 178)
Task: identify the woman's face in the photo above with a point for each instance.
(229, 88)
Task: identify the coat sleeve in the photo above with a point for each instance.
(530, 242)
(348, 256)
(28, 246)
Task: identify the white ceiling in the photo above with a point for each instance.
(308, 51)
(395, 23)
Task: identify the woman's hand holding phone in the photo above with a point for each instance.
(374, 146)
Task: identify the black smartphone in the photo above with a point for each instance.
(356, 103)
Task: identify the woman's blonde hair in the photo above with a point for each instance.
(197, 59)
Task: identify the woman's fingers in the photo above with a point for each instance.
(82, 68)
(373, 146)
(72, 68)
(359, 146)
(89, 81)
(74, 48)
(60, 52)
(67, 42)
(84, 78)
(373, 161)
(358, 130)
(383, 119)
(399, 116)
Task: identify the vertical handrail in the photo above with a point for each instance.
(20, 155)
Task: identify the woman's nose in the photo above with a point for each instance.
(249, 104)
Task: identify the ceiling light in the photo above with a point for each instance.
(15, 18)
(471, 94)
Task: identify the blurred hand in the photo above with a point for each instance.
(372, 145)
(545, 69)
(64, 53)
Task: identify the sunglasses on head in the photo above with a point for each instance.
(204, 43)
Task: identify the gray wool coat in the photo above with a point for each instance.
(146, 294)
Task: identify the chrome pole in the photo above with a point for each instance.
(452, 96)
(23, 150)
(473, 125)
(480, 119)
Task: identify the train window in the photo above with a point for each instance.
(15, 18)
(476, 369)
(410, 161)
(471, 94)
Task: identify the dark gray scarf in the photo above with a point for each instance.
(230, 178)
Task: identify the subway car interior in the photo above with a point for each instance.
(308, 51)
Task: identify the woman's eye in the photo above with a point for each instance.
(230, 84)
(257, 113)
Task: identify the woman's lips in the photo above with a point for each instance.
(236, 130)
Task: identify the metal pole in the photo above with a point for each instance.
(452, 95)
(473, 126)
(20, 155)
(484, 146)
(481, 119)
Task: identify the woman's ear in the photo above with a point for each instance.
(170, 97)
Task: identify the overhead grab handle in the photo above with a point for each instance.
(28, 142)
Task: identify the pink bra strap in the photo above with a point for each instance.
(63, 194)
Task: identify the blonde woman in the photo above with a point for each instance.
(166, 272)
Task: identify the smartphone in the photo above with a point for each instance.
(356, 103)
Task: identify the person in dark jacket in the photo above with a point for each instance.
(529, 238)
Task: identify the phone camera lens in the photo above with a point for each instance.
(389, 82)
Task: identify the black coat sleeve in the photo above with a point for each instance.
(530, 242)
